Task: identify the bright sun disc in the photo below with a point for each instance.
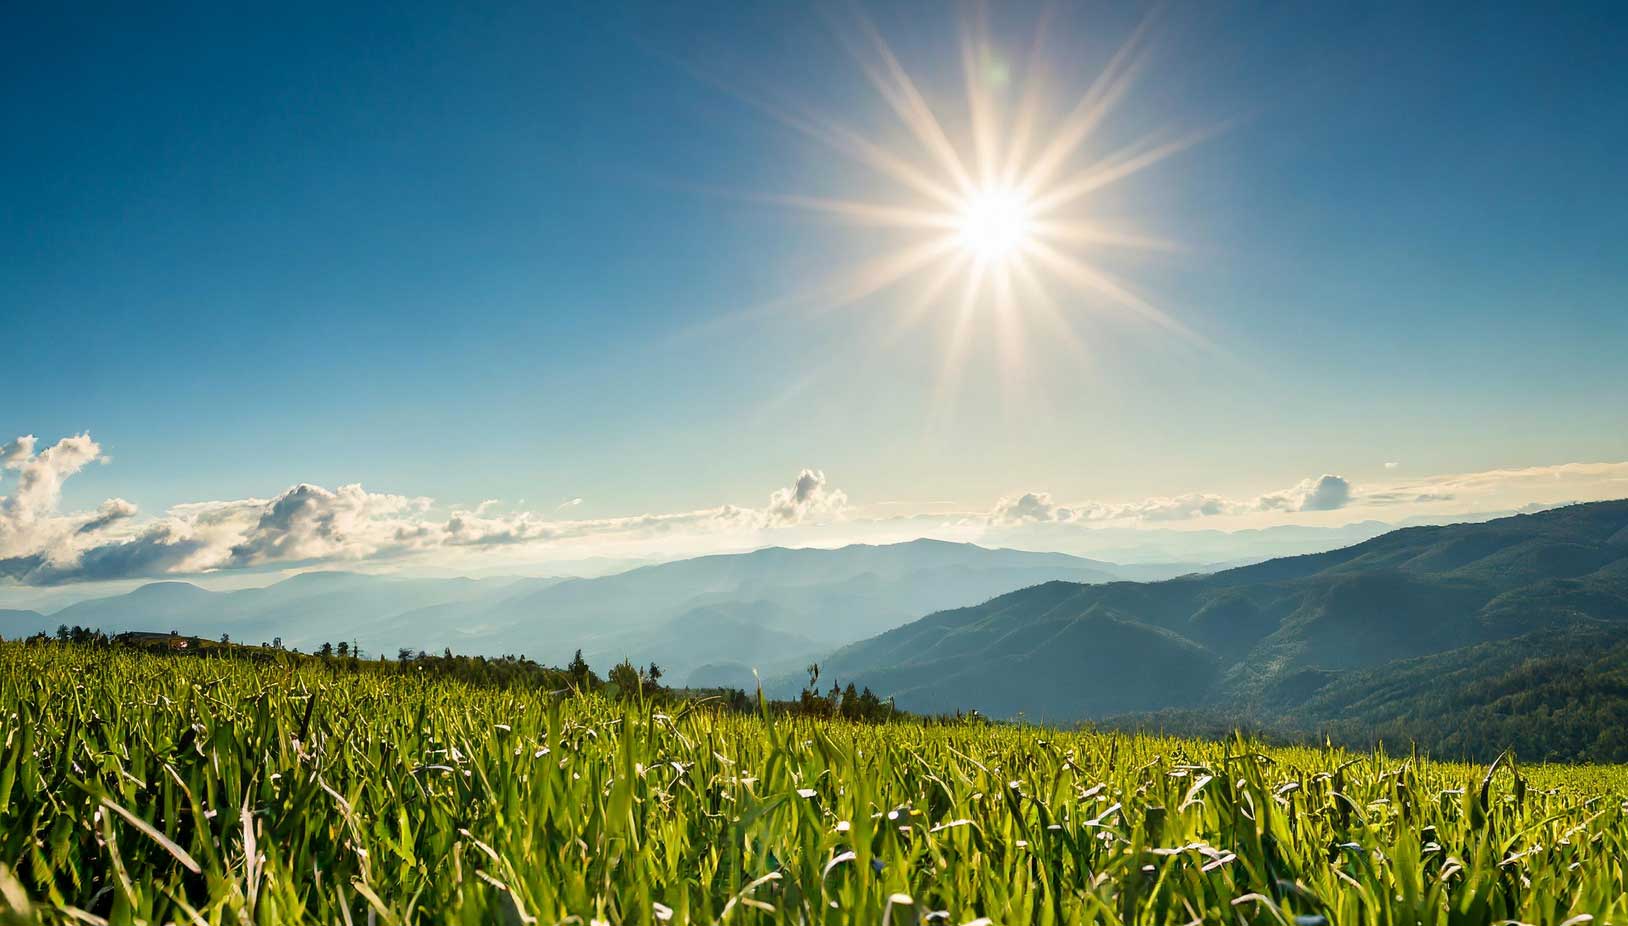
(995, 223)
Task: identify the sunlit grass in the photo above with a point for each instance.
(140, 788)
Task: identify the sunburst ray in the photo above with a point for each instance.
(1114, 168)
(866, 213)
(993, 220)
(1088, 277)
(1098, 101)
(900, 92)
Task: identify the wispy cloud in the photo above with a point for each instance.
(1500, 489)
(1324, 493)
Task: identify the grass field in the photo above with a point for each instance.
(144, 788)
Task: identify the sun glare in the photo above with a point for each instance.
(995, 223)
(988, 208)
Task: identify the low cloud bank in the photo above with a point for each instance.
(1529, 488)
(309, 524)
(1325, 493)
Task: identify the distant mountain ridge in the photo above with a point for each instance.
(303, 610)
(16, 622)
(812, 600)
(1260, 638)
(772, 609)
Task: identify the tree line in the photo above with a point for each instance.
(625, 680)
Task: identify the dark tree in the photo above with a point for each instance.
(625, 676)
(578, 670)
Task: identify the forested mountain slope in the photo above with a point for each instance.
(1307, 640)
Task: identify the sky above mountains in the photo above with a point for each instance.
(421, 287)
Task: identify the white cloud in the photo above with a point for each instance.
(1162, 508)
(1179, 507)
(809, 498)
(1321, 494)
(108, 514)
(33, 502)
(1030, 508)
(1392, 464)
(309, 524)
(1454, 494)
(1325, 493)
(29, 521)
(312, 524)
(1511, 489)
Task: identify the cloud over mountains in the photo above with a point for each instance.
(311, 524)
(809, 497)
(308, 524)
(1325, 493)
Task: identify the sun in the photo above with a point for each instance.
(985, 211)
(995, 224)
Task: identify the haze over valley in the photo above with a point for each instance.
(771, 609)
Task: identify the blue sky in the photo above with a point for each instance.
(529, 253)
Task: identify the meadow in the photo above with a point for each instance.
(146, 788)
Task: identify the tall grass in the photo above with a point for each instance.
(140, 788)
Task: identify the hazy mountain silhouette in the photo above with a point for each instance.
(774, 609)
(20, 623)
(303, 610)
(806, 600)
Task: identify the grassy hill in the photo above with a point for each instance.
(142, 788)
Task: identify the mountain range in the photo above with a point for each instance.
(1305, 642)
(1468, 636)
(772, 609)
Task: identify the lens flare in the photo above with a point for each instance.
(987, 214)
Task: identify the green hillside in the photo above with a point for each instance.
(1257, 641)
(1556, 695)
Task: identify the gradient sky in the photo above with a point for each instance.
(526, 252)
